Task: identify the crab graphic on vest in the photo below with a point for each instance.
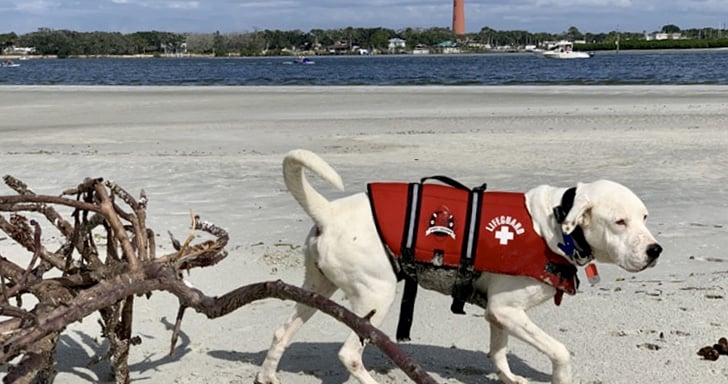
(441, 223)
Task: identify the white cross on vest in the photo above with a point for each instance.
(504, 235)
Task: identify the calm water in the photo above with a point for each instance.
(664, 67)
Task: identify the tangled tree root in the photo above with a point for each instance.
(105, 260)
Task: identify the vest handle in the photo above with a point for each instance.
(452, 182)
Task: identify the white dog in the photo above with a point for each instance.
(344, 251)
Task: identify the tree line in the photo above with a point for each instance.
(64, 43)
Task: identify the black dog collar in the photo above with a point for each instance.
(575, 245)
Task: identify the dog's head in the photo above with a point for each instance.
(613, 220)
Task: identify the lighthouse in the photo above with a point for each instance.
(458, 17)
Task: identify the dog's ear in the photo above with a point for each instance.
(580, 212)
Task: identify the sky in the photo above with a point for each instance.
(227, 16)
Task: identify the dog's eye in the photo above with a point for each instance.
(621, 222)
(644, 218)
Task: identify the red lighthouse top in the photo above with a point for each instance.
(458, 17)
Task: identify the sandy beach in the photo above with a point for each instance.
(218, 151)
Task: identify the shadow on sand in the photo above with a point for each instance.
(72, 357)
(320, 360)
(315, 359)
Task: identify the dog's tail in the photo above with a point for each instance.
(315, 204)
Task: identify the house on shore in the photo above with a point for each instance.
(396, 45)
(663, 36)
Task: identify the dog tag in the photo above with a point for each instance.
(592, 274)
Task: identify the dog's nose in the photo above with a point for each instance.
(653, 251)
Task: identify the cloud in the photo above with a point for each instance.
(183, 4)
(704, 6)
(583, 3)
(35, 6)
(268, 4)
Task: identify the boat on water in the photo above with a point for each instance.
(301, 60)
(564, 50)
(9, 64)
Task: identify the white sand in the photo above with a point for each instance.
(217, 151)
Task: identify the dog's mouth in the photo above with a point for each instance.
(639, 268)
(651, 264)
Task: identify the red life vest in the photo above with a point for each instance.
(453, 227)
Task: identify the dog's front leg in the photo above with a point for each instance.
(514, 321)
(498, 351)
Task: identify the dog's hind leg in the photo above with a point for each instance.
(350, 355)
(314, 281)
(377, 297)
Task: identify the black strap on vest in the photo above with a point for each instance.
(463, 287)
(409, 273)
(407, 308)
(409, 237)
(582, 251)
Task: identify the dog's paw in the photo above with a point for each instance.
(513, 379)
(260, 378)
(508, 379)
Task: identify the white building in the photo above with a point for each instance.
(663, 36)
(396, 44)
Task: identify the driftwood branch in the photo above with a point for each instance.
(108, 282)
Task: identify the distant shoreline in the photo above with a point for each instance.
(201, 56)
